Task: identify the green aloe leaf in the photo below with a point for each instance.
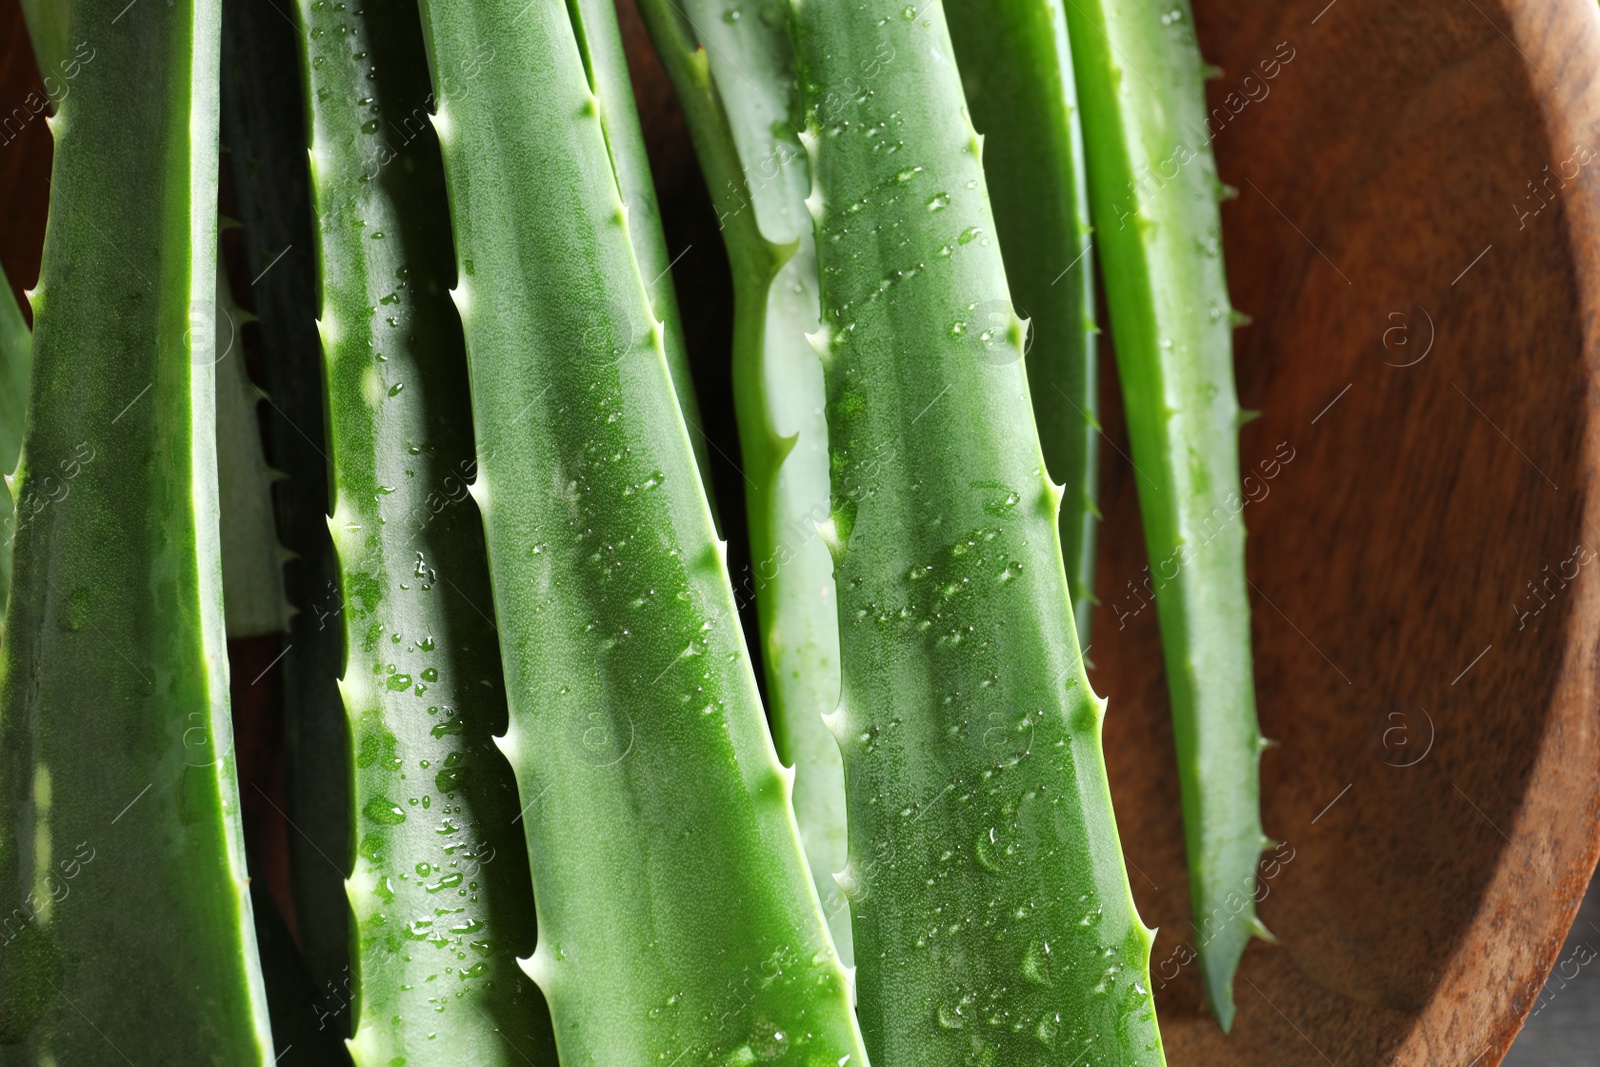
(676, 918)
(252, 558)
(441, 898)
(992, 915)
(16, 362)
(735, 79)
(607, 67)
(48, 23)
(119, 827)
(1155, 191)
(1016, 68)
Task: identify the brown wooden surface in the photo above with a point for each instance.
(1424, 903)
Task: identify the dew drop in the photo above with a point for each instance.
(382, 810)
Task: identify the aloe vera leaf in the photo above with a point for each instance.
(736, 81)
(1140, 80)
(48, 22)
(1016, 68)
(252, 560)
(263, 125)
(439, 889)
(252, 582)
(676, 918)
(118, 795)
(992, 915)
(16, 361)
(607, 68)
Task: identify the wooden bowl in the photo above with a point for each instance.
(1424, 348)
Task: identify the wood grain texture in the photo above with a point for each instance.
(1563, 1029)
